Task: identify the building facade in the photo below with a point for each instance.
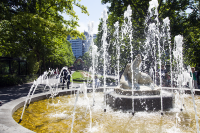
(79, 47)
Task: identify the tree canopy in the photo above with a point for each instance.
(181, 22)
(36, 31)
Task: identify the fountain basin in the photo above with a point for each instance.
(10, 125)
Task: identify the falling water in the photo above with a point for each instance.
(90, 31)
(151, 39)
(32, 89)
(36, 85)
(27, 100)
(128, 31)
(129, 13)
(118, 48)
(167, 25)
(74, 111)
(159, 51)
(105, 17)
(83, 88)
(153, 11)
(178, 55)
(42, 79)
(94, 62)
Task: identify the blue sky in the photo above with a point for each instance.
(95, 9)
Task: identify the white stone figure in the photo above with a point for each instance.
(139, 78)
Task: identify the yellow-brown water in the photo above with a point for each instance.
(55, 116)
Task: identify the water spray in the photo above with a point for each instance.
(105, 17)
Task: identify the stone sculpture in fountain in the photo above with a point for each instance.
(142, 81)
(145, 95)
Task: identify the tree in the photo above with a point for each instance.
(180, 23)
(192, 35)
(36, 30)
(87, 59)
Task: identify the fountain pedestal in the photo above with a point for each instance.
(144, 100)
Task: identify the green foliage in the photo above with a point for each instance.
(36, 66)
(192, 36)
(32, 65)
(36, 29)
(7, 80)
(180, 23)
(87, 59)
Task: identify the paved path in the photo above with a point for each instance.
(8, 94)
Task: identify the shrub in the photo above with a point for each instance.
(33, 65)
(10, 80)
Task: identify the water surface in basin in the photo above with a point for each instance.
(55, 115)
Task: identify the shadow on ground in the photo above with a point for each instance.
(8, 94)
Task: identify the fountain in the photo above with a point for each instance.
(94, 55)
(121, 98)
(136, 85)
(60, 111)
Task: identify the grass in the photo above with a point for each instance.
(79, 76)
